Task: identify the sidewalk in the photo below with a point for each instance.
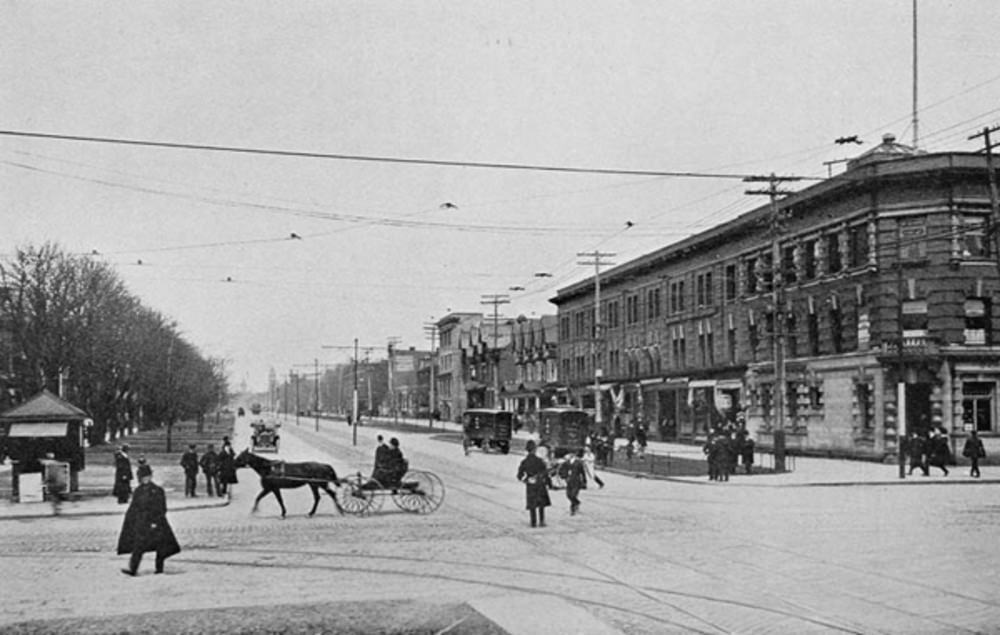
(97, 501)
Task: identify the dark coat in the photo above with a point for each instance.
(227, 465)
(916, 448)
(189, 461)
(535, 474)
(974, 448)
(576, 477)
(123, 475)
(145, 526)
(938, 451)
(210, 463)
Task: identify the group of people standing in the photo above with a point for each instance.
(725, 448)
(930, 450)
(219, 469)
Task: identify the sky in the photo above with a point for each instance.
(717, 89)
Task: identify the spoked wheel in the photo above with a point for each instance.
(419, 492)
(356, 495)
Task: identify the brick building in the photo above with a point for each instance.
(875, 278)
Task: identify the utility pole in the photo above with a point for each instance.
(496, 299)
(297, 407)
(354, 406)
(597, 259)
(993, 231)
(777, 288)
(431, 329)
(916, 129)
(316, 411)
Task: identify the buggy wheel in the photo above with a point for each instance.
(356, 494)
(419, 492)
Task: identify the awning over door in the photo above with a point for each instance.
(35, 430)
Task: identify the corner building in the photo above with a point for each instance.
(873, 290)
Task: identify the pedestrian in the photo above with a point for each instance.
(123, 475)
(938, 452)
(189, 461)
(589, 463)
(210, 467)
(747, 452)
(534, 473)
(55, 482)
(974, 451)
(917, 448)
(642, 439)
(574, 473)
(227, 467)
(145, 527)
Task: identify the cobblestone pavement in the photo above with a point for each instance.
(643, 556)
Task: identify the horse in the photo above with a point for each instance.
(278, 475)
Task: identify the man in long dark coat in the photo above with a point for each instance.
(189, 461)
(145, 527)
(123, 475)
(227, 467)
(576, 479)
(534, 473)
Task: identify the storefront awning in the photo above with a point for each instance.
(36, 430)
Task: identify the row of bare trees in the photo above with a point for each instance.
(67, 321)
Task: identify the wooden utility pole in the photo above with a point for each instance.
(496, 300)
(597, 259)
(777, 298)
(993, 231)
(431, 329)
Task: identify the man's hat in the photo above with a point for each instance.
(144, 470)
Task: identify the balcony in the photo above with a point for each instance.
(913, 345)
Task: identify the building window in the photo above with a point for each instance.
(977, 322)
(914, 319)
(563, 329)
(703, 289)
(812, 333)
(977, 405)
(858, 245)
(809, 260)
(730, 288)
(836, 332)
(972, 237)
(580, 324)
(631, 309)
(677, 296)
(833, 261)
(678, 347)
(866, 405)
(731, 341)
(912, 237)
(750, 266)
(753, 337)
(769, 328)
(816, 397)
(565, 368)
(613, 315)
(791, 337)
(615, 362)
(789, 274)
(706, 343)
(652, 304)
(791, 399)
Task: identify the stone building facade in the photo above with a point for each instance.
(871, 293)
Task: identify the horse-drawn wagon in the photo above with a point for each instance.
(265, 436)
(484, 428)
(417, 491)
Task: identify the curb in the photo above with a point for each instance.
(909, 481)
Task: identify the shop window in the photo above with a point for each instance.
(977, 322)
(977, 405)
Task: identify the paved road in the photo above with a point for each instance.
(644, 556)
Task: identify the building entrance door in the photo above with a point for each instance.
(918, 408)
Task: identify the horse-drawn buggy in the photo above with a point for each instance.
(265, 436)
(562, 431)
(486, 429)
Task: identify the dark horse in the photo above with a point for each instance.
(278, 475)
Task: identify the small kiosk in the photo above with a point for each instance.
(43, 425)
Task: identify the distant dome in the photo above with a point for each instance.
(888, 150)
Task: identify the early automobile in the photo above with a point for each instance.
(265, 436)
(485, 428)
